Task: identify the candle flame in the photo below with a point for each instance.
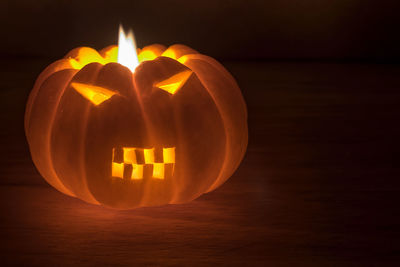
(127, 50)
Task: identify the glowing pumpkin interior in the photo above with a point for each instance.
(86, 55)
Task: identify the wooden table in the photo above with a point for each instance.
(319, 185)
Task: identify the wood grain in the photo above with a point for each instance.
(319, 184)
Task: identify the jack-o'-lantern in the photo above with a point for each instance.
(124, 136)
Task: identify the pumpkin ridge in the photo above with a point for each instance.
(50, 130)
(215, 65)
(51, 119)
(51, 134)
(148, 129)
(50, 70)
(225, 131)
(181, 128)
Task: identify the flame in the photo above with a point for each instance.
(127, 50)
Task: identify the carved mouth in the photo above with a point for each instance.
(132, 163)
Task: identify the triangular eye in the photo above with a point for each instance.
(94, 94)
(174, 83)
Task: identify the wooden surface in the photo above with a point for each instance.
(319, 185)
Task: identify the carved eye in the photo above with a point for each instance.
(94, 94)
(175, 82)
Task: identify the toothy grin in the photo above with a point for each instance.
(134, 163)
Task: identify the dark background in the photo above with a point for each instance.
(319, 184)
(256, 30)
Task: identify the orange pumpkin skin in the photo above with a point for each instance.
(74, 142)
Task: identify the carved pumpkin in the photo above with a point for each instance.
(172, 130)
